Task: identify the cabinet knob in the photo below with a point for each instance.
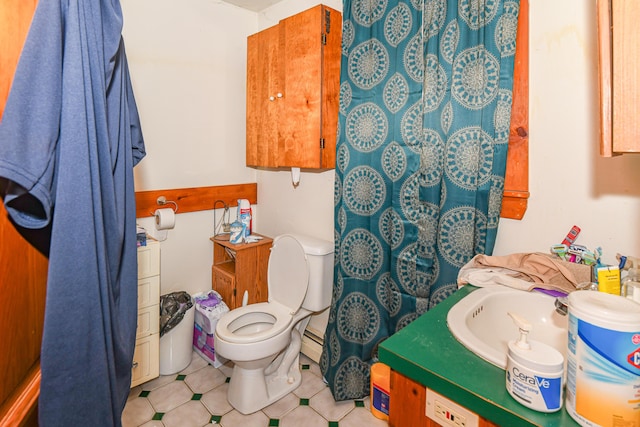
(272, 98)
(279, 95)
(135, 365)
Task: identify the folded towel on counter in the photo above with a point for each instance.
(524, 271)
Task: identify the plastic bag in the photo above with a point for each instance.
(173, 307)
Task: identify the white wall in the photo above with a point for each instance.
(188, 67)
(307, 208)
(569, 182)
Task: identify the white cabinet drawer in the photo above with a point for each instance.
(146, 360)
(148, 291)
(148, 321)
(149, 259)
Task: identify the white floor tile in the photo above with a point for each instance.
(236, 419)
(170, 396)
(191, 413)
(310, 405)
(323, 403)
(303, 416)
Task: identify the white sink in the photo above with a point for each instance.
(481, 323)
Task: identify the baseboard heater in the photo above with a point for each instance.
(312, 344)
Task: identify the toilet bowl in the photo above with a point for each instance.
(263, 340)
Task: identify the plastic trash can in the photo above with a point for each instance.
(176, 342)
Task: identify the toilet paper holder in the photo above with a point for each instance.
(163, 201)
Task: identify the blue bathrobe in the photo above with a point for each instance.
(69, 139)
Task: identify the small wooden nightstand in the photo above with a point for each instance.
(240, 267)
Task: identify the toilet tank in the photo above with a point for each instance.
(320, 258)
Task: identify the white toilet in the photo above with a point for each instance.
(263, 340)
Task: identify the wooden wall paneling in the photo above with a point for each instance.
(195, 199)
(23, 270)
(516, 185)
(15, 19)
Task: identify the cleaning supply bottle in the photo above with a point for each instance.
(380, 390)
(245, 217)
(630, 285)
(534, 374)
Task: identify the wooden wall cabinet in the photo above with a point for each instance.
(240, 267)
(408, 401)
(619, 76)
(146, 357)
(293, 85)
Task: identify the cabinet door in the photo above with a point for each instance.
(407, 404)
(263, 102)
(293, 84)
(146, 360)
(224, 282)
(619, 67)
(311, 73)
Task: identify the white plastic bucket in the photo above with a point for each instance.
(603, 360)
(176, 345)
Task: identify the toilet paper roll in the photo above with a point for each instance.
(165, 219)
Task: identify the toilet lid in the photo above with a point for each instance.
(288, 272)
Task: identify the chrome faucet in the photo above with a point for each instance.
(562, 306)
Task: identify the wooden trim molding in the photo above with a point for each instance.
(195, 199)
(23, 401)
(516, 184)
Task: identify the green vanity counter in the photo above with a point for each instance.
(426, 352)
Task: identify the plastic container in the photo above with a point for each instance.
(245, 216)
(534, 374)
(236, 235)
(175, 345)
(380, 390)
(603, 360)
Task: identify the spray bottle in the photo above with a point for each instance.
(244, 216)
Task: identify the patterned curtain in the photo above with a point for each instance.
(425, 108)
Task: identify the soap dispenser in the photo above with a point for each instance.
(534, 374)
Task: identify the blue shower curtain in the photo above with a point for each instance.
(69, 138)
(425, 107)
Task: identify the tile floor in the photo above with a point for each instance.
(197, 396)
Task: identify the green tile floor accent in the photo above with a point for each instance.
(274, 422)
(359, 404)
(196, 396)
(227, 380)
(305, 367)
(333, 424)
(158, 416)
(144, 393)
(304, 402)
(215, 419)
(181, 377)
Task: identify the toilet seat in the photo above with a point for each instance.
(288, 278)
(274, 316)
